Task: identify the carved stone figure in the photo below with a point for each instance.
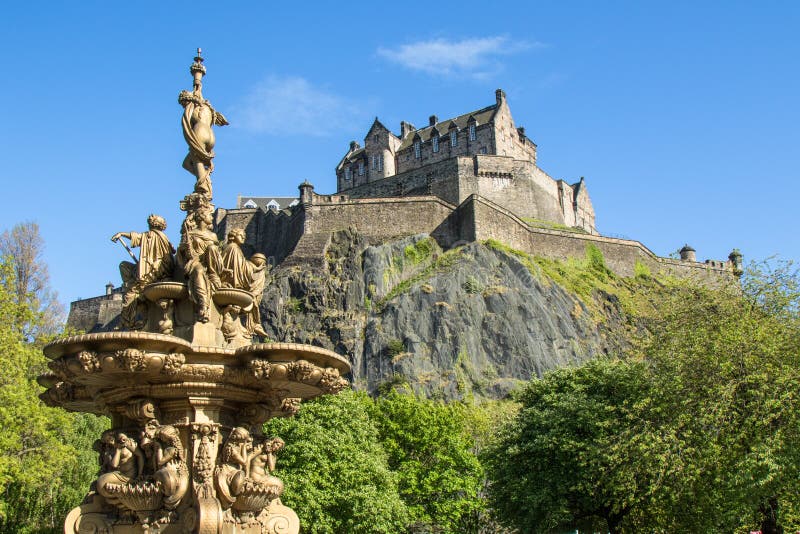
(148, 445)
(200, 258)
(155, 263)
(237, 268)
(172, 472)
(258, 279)
(198, 118)
(231, 473)
(262, 463)
(165, 323)
(124, 465)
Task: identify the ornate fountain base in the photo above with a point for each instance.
(186, 452)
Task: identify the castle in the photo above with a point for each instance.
(471, 178)
(478, 153)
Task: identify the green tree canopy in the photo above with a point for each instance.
(431, 450)
(695, 430)
(335, 469)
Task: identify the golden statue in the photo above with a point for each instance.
(197, 121)
(155, 263)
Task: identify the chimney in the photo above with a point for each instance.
(500, 96)
(432, 120)
(521, 132)
(109, 288)
(405, 129)
(354, 145)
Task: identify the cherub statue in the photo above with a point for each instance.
(262, 463)
(172, 472)
(232, 472)
(124, 465)
(155, 263)
(149, 445)
(197, 121)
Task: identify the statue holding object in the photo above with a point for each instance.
(155, 263)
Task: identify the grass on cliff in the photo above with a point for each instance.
(441, 263)
(589, 278)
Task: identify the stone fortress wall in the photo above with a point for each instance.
(300, 236)
(96, 313)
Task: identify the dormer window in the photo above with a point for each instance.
(417, 149)
(361, 168)
(273, 205)
(250, 204)
(435, 142)
(453, 138)
(473, 135)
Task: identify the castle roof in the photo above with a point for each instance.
(482, 116)
(266, 203)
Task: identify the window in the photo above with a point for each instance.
(435, 141)
(472, 133)
(483, 150)
(361, 168)
(417, 149)
(380, 162)
(250, 204)
(453, 138)
(374, 161)
(348, 173)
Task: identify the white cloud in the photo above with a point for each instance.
(474, 57)
(292, 105)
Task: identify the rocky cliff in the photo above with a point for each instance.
(474, 320)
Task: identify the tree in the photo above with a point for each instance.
(695, 430)
(23, 246)
(46, 462)
(578, 456)
(726, 365)
(431, 450)
(336, 470)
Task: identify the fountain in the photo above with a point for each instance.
(185, 385)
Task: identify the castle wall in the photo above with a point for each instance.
(517, 184)
(482, 219)
(383, 218)
(273, 233)
(96, 313)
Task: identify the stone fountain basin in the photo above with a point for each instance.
(113, 368)
(165, 290)
(232, 297)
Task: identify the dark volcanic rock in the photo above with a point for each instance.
(468, 321)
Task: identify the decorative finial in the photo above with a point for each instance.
(198, 70)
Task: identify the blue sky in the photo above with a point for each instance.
(682, 116)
